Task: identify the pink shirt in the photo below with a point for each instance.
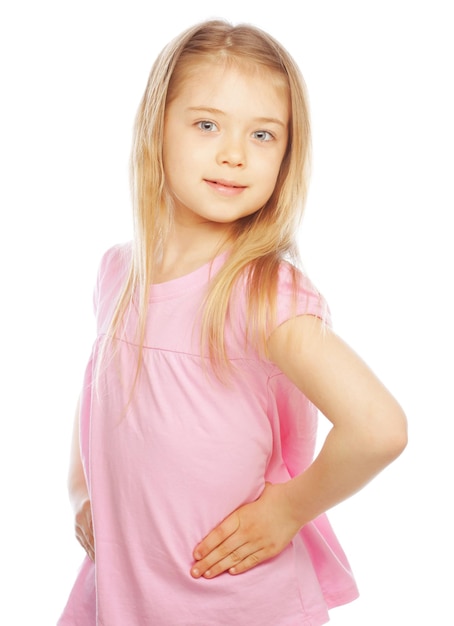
(187, 452)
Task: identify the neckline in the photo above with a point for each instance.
(193, 280)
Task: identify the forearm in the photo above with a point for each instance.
(77, 485)
(344, 465)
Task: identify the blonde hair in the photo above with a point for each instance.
(259, 242)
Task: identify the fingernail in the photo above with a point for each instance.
(197, 556)
(195, 572)
(207, 574)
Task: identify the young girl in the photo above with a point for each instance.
(195, 491)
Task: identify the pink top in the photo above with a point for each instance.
(186, 453)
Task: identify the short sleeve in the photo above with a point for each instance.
(112, 273)
(297, 295)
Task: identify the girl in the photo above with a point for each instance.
(195, 492)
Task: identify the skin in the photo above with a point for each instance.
(216, 141)
(225, 125)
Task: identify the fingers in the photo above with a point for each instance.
(220, 559)
(248, 563)
(84, 531)
(217, 536)
(228, 548)
(221, 546)
(252, 534)
(226, 557)
(86, 541)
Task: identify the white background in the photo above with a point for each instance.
(377, 241)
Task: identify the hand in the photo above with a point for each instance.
(84, 529)
(250, 535)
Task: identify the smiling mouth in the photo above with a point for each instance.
(225, 187)
(225, 183)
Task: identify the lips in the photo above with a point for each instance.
(225, 187)
(226, 183)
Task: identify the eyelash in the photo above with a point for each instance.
(203, 123)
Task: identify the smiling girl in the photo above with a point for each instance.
(195, 489)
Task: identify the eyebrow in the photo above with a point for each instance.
(213, 111)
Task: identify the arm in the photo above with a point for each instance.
(369, 427)
(368, 433)
(78, 493)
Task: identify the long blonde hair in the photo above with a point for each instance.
(259, 242)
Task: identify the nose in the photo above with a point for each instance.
(232, 151)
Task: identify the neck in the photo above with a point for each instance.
(188, 248)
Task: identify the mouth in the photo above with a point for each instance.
(225, 187)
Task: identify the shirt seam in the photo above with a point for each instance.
(182, 352)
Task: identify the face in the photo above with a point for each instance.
(225, 136)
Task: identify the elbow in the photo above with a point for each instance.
(391, 437)
(395, 445)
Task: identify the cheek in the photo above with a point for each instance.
(180, 152)
(270, 175)
(269, 180)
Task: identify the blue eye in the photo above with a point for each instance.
(263, 135)
(207, 126)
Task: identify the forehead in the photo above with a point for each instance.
(235, 86)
